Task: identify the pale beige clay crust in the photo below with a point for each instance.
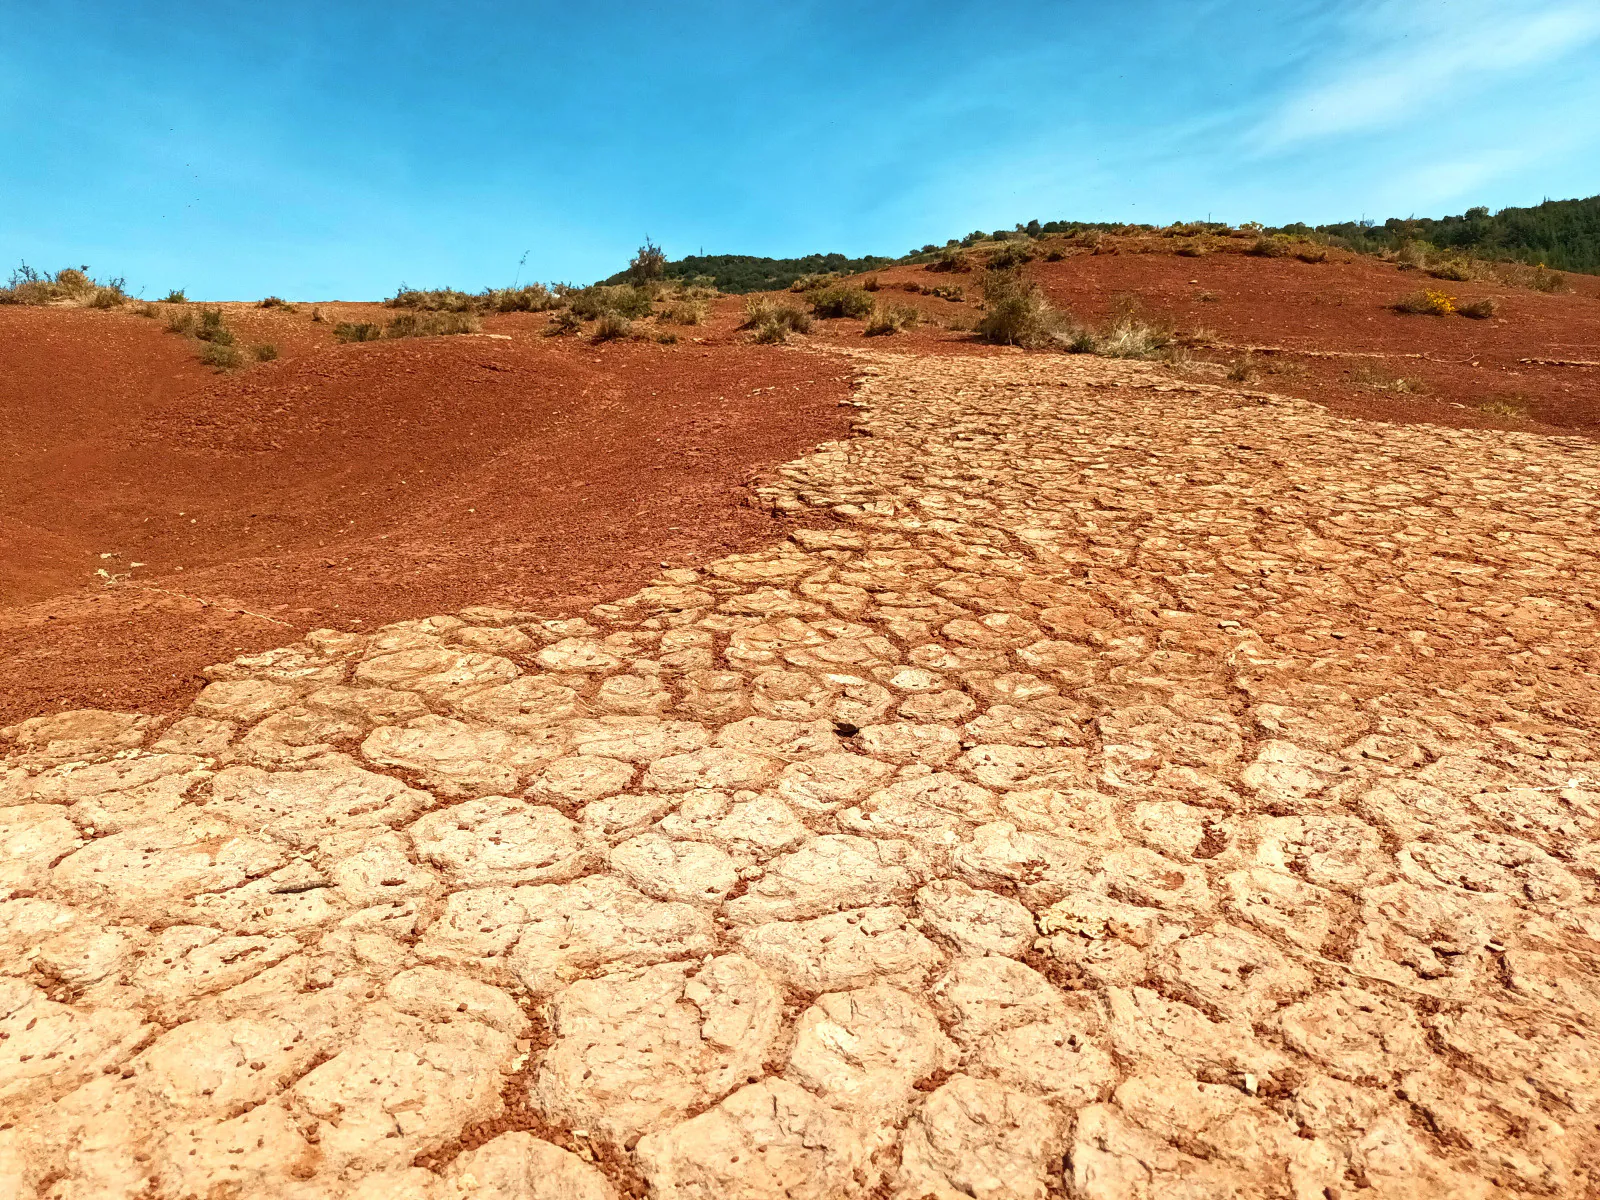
(1118, 788)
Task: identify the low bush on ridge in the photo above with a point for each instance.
(431, 324)
(532, 297)
(68, 286)
(436, 323)
(622, 300)
(1010, 255)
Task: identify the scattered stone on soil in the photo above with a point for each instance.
(1117, 788)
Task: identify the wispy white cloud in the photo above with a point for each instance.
(1412, 60)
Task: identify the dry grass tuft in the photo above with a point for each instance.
(773, 322)
(685, 312)
(1017, 313)
(1369, 377)
(1478, 310)
(1128, 335)
(891, 318)
(1508, 405)
(431, 324)
(357, 331)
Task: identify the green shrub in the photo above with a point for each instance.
(951, 258)
(812, 283)
(841, 302)
(647, 265)
(357, 331)
(1016, 312)
(532, 297)
(211, 329)
(1012, 254)
(612, 325)
(222, 355)
(431, 324)
(617, 299)
(1412, 256)
(175, 296)
(265, 352)
(434, 300)
(891, 318)
(566, 321)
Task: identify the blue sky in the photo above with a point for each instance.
(336, 149)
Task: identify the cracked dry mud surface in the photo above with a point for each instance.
(1123, 789)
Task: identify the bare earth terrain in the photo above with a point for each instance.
(1118, 784)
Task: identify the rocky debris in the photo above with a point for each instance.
(1120, 790)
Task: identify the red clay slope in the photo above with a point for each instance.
(355, 484)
